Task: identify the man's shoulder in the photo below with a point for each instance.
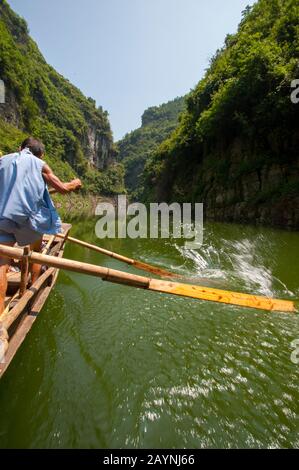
(29, 157)
(8, 158)
(9, 155)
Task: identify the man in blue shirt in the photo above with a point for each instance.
(26, 209)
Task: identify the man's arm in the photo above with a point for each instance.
(60, 187)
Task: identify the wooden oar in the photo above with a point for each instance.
(130, 261)
(185, 290)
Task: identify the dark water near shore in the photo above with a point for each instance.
(112, 366)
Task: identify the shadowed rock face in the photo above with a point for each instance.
(265, 195)
(9, 109)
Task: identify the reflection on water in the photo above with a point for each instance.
(112, 366)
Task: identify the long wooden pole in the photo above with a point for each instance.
(124, 259)
(8, 318)
(185, 290)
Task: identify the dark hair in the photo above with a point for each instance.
(34, 145)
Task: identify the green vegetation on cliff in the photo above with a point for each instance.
(39, 101)
(236, 146)
(137, 147)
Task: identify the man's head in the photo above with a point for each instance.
(35, 146)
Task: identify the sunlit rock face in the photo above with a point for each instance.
(101, 152)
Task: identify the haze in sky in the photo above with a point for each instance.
(130, 54)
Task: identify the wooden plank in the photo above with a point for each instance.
(24, 314)
(24, 328)
(222, 296)
(10, 317)
(17, 310)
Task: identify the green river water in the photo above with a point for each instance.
(112, 366)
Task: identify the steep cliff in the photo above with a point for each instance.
(39, 101)
(236, 146)
(136, 148)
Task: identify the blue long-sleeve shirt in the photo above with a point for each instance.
(24, 195)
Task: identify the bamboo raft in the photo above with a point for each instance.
(23, 304)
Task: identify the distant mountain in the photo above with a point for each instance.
(236, 146)
(136, 147)
(39, 101)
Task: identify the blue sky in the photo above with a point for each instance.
(130, 54)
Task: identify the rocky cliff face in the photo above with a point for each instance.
(41, 102)
(101, 153)
(266, 195)
(9, 110)
(98, 147)
(237, 186)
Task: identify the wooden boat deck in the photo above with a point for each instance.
(21, 312)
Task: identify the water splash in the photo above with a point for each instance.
(235, 264)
